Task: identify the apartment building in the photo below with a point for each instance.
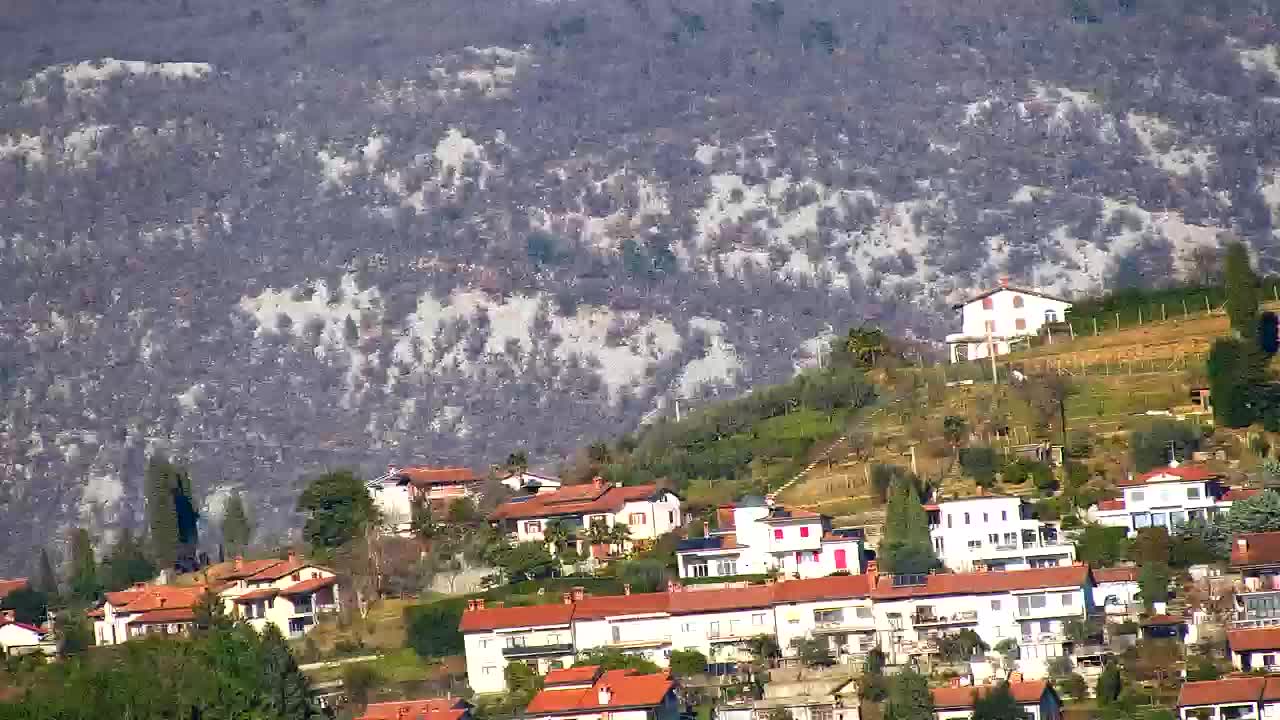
(1036, 699)
(997, 533)
(1256, 556)
(1167, 497)
(395, 492)
(591, 693)
(647, 511)
(903, 616)
(1253, 649)
(1231, 698)
(146, 610)
(752, 537)
(290, 593)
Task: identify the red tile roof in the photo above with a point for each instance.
(827, 588)
(24, 626)
(572, 676)
(155, 597)
(1229, 690)
(688, 602)
(169, 615)
(229, 571)
(626, 690)
(1234, 494)
(428, 709)
(253, 595)
(985, 582)
(8, 586)
(1117, 574)
(1254, 639)
(574, 500)
(424, 476)
(1183, 473)
(1255, 548)
(279, 570)
(309, 586)
(509, 617)
(1025, 693)
(1114, 504)
(600, 606)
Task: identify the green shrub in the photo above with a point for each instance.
(432, 629)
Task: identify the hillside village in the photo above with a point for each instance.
(1065, 519)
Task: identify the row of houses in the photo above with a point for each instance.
(289, 593)
(902, 616)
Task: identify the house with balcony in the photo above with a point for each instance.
(720, 623)
(834, 609)
(1254, 649)
(992, 322)
(395, 492)
(913, 612)
(540, 636)
(290, 594)
(1167, 497)
(647, 511)
(996, 533)
(592, 693)
(1230, 698)
(638, 624)
(1256, 556)
(809, 694)
(753, 537)
(1036, 699)
(1115, 590)
(145, 609)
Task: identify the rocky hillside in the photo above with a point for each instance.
(276, 237)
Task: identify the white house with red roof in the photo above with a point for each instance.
(290, 593)
(1116, 590)
(1035, 698)
(995, 532)
(540, 636)
(591, 693)
(18, 638)
(1254, 648)
(993, 321)
(1230, 698)
(1167, 497)
(752, 537)
(395, 492)
(648, 511)
(1256, 556)
(428, 709)
(146, 610)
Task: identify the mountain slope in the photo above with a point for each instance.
(273, 238)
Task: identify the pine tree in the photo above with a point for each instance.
(83, 582)
(1242, 292)
(286, 687)
(46, 580)
(236, 529)
(162, 513)
(907, 547)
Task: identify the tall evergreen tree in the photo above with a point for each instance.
(46, 580)
(83, 582)
(286, 688)
(236, 529)
(1242, 292)
(171, 513)
(907, 547)
(127, 563)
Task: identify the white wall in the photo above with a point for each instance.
(963, 523)
(395, 503)
(14, 637)
(648, 636)
(1004, 318)
(693, 632)
(798, 620)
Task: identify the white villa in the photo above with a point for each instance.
(1167, 497)
(991, 322)
(996, 533)
(755, 538)
(289, 593)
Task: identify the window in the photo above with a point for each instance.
(1268, 660)
(1004, 514)
(1068, 599)
(990, 326)
(842, 560)
(1026, 603)
(617, 633)
(975, 544)
(864, 612)
(1159, 520)
(799, 558)
(484, 643)
(727, 567)
(1011, 539)
(1046, 626)
(987, 304)
(1141, 520)
(533, 527)
(937, 544)
(757, 618)
(489, 670)
(994, 539)
(637, 519)
(1193, 493)
(671, 516)
(1017, 301)
(733, 626)
(1020, 323)
(516, 641)
(1136, 496)
(995, 605)
(948, 520)
(296, 577)
(1051, 316)
(966, 518)
(777, 533)
(686, 627)
(817, 555)
(714, 630)
(699, 570)
(985, 518)
(804, 531)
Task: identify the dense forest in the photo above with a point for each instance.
(270, 238)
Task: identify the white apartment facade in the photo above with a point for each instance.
(902, 616)
(1035, 698)
(754, 538)
(647, 511)
(996, 533)
(1167, 497)
(1230, 698)
(991, 322)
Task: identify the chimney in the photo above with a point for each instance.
(139, 586)
(163, 600)
(239, 562)
(1004, 281)
(955, 682)
(1242, 544)
(626, 588)
(499, 603)
(579, 593)
(873, 572)
(567, 598)
(480, 604)
(1015, 676)
(293, 555)
(597, 481)
(605, 695)
(982, 490)
(402, 711)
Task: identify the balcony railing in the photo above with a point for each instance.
(518, 651)
(732, 635)
(1253, 620)
(959, 618)
(641, 642)
(845, 624)
(1043, 638)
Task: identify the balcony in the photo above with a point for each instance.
(848, 624)
(526, 651)
(656, 641)
(734, 635)
(961, 618)
(1044, 639)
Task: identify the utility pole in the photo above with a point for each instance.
(991, 351)
(677, 409)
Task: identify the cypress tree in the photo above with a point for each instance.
(286, 687)
(907, 547)
(1233, 371)
(162, 513)
(83, 582)
(1242, 292)
(127, 563)
(236, 529)
(46, 580)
